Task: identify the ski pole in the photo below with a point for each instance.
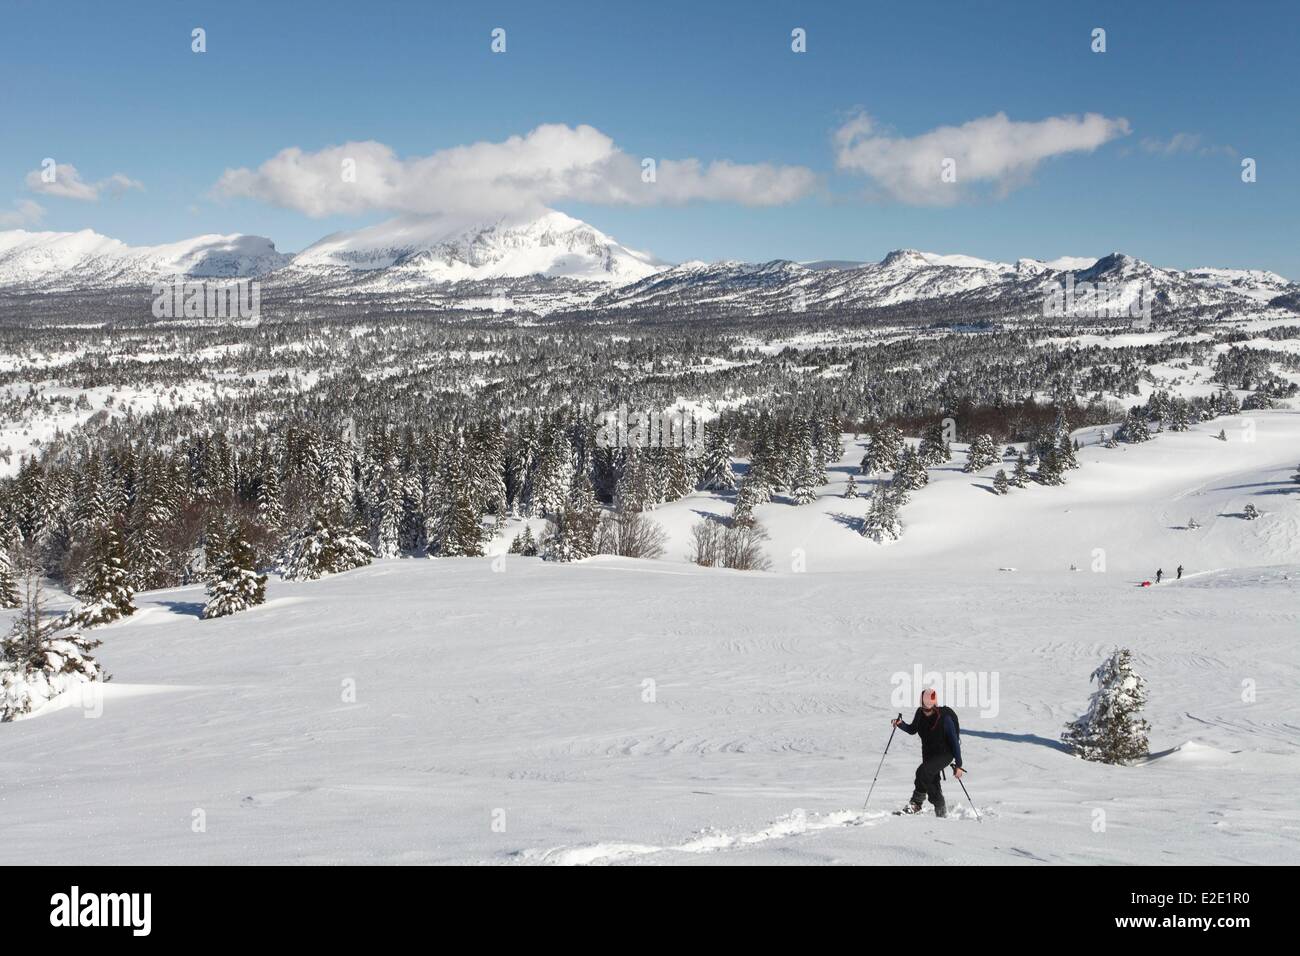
(879, 765)
(978, 818)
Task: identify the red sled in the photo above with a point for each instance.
(1146, 584)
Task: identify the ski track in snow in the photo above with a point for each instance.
(798, 823)
(712, 841)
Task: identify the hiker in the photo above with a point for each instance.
(940, 746)
(1180, 573)
(1160, 573)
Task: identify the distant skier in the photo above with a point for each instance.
(940, 746)
(1180, 573)
(1159, 574)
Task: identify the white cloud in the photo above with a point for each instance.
(552, 163)
(993, 152)
(68, 184)
(25, 213)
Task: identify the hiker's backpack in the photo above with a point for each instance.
(956, 722)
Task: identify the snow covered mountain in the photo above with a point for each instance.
(413, 250)
(1254, 283)
(935, 283)
(555, 263)
(50, 261)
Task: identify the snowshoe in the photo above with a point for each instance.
(908, 810)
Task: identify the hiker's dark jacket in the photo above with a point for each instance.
(938, 734)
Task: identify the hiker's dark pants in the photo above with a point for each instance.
(927, 779)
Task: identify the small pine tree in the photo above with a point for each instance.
(1134, 430)
(236, 585)
(1000, 483)
(1251, 513)
(40, 657)
(851, 488)
(753, 492)
(982, 453)
(742, 512)
(571, 534)
(804, 490)
(1050, 468)
(911, 474)
(933, 449)
(715, 467)
(526, 543)
(881, 522)
(1065, 452)
(105, 592)
(1112, 730)
(1227, 403)
(322, 549)
(882, 453)
(1020, 474)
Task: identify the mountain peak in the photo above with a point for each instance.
(904, 257)
(56, 260)
(552, 244)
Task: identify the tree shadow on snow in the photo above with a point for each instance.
(1285, 485)
(1018, 739)
(710, 516)
(186, 608)
(849, 521)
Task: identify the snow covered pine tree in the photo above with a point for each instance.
(105, 592)
(324, 549)
(1112, 730)
(236, 585)
(881, 523)
(981, 453)
(8, 587)
(39, 658)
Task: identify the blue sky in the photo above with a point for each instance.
(1182, 94)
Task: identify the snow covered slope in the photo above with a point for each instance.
(619, 711)
(86, 260)
(1134, 502)
(1256, 283)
